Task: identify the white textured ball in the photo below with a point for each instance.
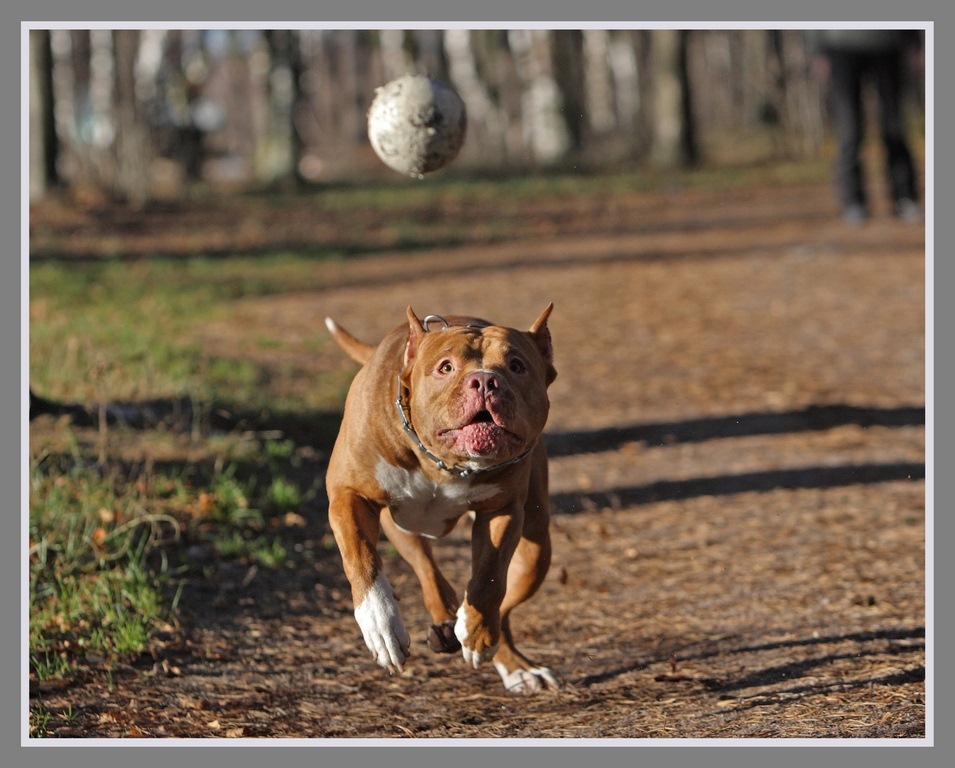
(416, 124)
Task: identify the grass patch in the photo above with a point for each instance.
(95, 587)
(110, 546)
(238, 545)
(128, 329)
(404, 199)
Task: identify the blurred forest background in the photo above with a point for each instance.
(135, 115)
(738, 427)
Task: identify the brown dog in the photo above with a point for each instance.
(444, 418)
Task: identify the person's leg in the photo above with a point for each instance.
(847, 114)
(890, 79)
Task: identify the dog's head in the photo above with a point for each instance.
(477, 392)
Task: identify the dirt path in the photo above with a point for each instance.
(737, 435)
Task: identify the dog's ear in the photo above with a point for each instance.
(540, 333)
(415, 332)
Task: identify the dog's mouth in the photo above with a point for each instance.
(485, 419)
(482, 435)
(482, 417)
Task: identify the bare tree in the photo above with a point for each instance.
(570, 77)
(804, 98)
(545, 130)
(280, 70)
(395, 54)
(674, 131)
(487, 121)
(43, 144)
(133, 145)
(598, 82)
(82, 88)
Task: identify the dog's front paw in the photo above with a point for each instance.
(476, 643)
(441, 638)
(527, 681)
(382, 627)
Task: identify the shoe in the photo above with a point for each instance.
(907, 209)
(855, 215)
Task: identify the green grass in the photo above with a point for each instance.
(403, 198)
(258, 550)
(128, 328)
(106, 548)
(93, 591)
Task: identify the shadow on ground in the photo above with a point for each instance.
(318, 430)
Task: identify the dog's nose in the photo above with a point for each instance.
(482, 381)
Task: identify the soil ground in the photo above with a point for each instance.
(738, 482)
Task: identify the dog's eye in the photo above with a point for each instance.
(517, 365)
(446, 367)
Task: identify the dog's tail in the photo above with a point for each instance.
(356, 349)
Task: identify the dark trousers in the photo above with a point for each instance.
(850, 69)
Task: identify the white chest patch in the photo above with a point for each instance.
(420, 505)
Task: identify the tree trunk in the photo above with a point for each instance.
(545, 131)
(277, 148)
(805, 96)
(674, 135)
(598, 82)
(487, 124)
(132, 143)
(568, 57)
(394, 54)
(43, 145)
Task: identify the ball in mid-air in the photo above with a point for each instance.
(416, 124)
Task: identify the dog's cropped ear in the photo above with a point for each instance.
(415, 332)
(540, 333)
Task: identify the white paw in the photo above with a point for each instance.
(471, 657)
(382, 627)
(527, 680)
